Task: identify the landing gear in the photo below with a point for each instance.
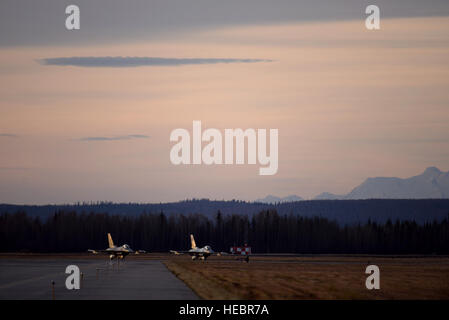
(111, 261)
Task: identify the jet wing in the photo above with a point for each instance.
(192, 253)
(105, 251)
(198, 253)
(177, 253)
(100, 251)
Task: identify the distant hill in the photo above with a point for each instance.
(421, 198)
(342, 211)
(273, 199)
(431, 184)
(328, 196)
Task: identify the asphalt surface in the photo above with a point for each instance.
(25, 279)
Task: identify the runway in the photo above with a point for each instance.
(22, 279)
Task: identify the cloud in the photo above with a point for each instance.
(9, 135)
(106, 21)
(126, 137)
(121, 62)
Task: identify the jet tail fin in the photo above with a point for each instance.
(192, 241)
(111, 243)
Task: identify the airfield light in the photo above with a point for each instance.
(52, 289)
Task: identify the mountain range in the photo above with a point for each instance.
(431, 184)
(379, 201)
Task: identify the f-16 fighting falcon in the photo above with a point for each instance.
(195, 252)
(114, 251)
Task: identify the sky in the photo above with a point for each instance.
(349, 103)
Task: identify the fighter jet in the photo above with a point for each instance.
(114, 251)
(195, 252)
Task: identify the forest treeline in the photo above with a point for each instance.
(265, 232)
(342, 211)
